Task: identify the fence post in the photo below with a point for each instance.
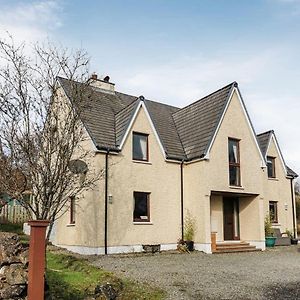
(37, 248)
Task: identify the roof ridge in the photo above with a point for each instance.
(234, 83)
(268, 131)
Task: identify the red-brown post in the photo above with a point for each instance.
(37, 248)
(213, 242)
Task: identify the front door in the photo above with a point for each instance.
(231, 218)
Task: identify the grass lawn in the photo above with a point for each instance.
(69, 277)
(73, 278)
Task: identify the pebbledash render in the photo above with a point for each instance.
(161, 163)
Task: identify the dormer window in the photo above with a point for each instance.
(234, 162)
(140, 146)
(271, 166)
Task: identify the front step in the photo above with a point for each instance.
(235, 247)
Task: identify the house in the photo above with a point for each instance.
(162, 163)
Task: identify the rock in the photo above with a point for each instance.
(12, 291)
(10, 247)
(24, 255)
(16, 274)
(106, 290)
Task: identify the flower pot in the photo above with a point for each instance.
(270, 241)
(294, 241)
(190, 245)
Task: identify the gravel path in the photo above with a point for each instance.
(273, 274)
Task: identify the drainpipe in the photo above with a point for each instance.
(105, 201)
(293, 209)
(181, 199)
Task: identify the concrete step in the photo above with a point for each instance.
(234, 247)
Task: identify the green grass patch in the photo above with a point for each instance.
(72, 278)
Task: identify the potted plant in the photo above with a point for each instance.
(289, 233)
(189, 232)
(269, 232)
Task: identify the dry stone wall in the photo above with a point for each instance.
(13, 267)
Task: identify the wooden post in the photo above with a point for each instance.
(213, 242)
(37, 248)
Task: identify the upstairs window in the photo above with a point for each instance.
(271, 166)
(141, 211)
(273, 211)
(140, 146)
(234, 162)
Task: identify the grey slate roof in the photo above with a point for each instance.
(196, 123)
(263, 141)
(185, 133)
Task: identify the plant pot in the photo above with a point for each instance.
(270, 241)
(190, 245)
(294, 241)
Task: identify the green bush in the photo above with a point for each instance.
(269, 231)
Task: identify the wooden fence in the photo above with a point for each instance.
(13, 213)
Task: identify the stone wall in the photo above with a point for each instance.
(13, 267)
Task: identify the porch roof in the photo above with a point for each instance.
(237, 193)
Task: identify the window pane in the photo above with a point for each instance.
(140, 146)
(140, 207)
(273, 211)
(271, 167)
(234, 175)
(233, 151)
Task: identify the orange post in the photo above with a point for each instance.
(213, 242)
(37, 248)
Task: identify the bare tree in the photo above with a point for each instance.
(41, 133)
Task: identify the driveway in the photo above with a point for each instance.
(272, 274)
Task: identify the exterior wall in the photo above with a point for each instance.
(212, 175)
(162, 180)
(216, 215)
(279, 189)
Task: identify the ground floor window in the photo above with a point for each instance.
(141, 211)
(72, 210)
(273, 211)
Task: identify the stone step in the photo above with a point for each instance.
(231, 247)
(236, 250)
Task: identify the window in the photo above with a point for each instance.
(273, 211)
(141, 211)
(271, 166)
(140, 146)
(234, 162)
(72, 210)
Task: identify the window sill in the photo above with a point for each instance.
(236, 187)
(273, 178)
(71, 225)
(276, 224)
(142, 162)
(142, 223)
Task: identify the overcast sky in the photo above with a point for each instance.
(178, 51)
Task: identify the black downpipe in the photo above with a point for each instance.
(293, 208)
(105, 201)
(181, 199)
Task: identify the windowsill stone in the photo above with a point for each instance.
(276, 224)
(71, 225)
(142, 223)
(273, 178)
(236, 187)
(142, 162)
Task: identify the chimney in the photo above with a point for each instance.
(102, 84)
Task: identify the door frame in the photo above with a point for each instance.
(235, 218)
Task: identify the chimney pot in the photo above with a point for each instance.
(94, 76)
(106, 79)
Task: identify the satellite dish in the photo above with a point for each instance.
(78, 166)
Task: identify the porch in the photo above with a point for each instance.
(236, 222)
